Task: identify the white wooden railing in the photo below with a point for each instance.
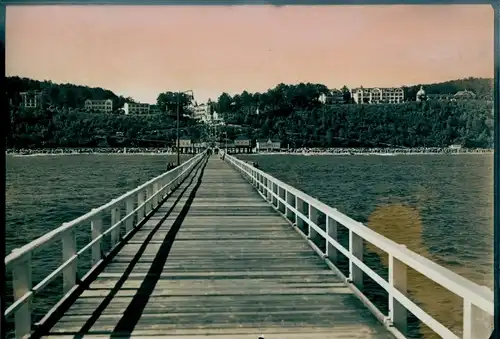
(138, 203)
(303, 211)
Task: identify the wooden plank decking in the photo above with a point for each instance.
(236, 270)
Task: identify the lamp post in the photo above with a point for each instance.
(496, 175)
(178, 118)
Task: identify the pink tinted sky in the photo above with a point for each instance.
(143, 50)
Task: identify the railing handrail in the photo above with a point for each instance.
(18, 253)
(469, 291)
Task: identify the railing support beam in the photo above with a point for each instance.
(96, 231)
(140, 202)
(299, 206)
(356, 250)
(68, 251)
(281, 205)
(155, 191)
(331, 230)
(22, 284)
(149, 194)
(115, 233)
(398, 280)
(268, 190)
(290, 200)
(314, 217)
(129, 208)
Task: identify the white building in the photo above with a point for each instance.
(269, 144)
(334, 96)
(217, 119)
(465, 95)
(104, 106)
(201, 112)
(32, 99)
(377, 95)
(420, 95)
(154, 109)
(136, 108)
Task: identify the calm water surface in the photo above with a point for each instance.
(439, 206)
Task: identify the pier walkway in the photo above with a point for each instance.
(221, 249)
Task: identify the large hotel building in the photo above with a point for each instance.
(377, 95)
(104, 106)
(136, 108)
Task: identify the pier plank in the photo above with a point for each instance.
(222, 264)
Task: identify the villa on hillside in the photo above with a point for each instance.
(201, 112)
(334, 96)
(460, 95)
(104, 106)
(465, 95)
(136, 108)
(154, 109)
(32, 99)
(391, 95)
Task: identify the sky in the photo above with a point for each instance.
(140, 51)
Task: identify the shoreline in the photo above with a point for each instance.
(339, 152)
(375, 154)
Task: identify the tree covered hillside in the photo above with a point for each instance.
(291, 113)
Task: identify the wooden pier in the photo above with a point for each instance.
(221, 249)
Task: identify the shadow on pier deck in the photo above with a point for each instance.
(217, 260)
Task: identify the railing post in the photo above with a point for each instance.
(22, 284)
(176, 179)
(331, 230)
(266, 190)
(156, 195)
(299, 206)
(170, 179)
(476, 323)
(140, 202)
(290, 200)
(68, 251)
(356, 250)
(149, 194)
(96, 230)
(274, 189)
(115, 233)
(165, 190)
(129, 208)
(398, 280)
(281, 205)
(314, 217)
